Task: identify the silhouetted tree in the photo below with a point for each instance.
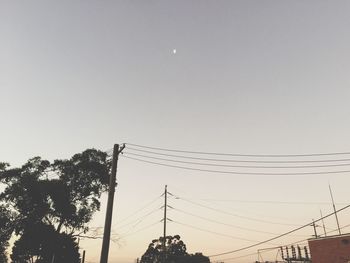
(195, 258)
(175, 252)
(6, 229)
(48, 244)
(52, 203)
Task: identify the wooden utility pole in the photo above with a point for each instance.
(83, 258)
(164, 221)
(111, 190)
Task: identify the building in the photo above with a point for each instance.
(330, 249)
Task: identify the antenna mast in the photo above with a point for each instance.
(335, 210)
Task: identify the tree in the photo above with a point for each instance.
(195, 258)
(5, 224)
(6, 230)
(45, 246)
(175, 252)
(52, 204)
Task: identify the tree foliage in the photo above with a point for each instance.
(45, 246)
(52, 203)
(6, 229)
(175, 252)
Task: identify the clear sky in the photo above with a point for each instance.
(251, 77)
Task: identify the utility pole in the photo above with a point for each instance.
(111, 190)
(335, 210)
(164, 221)
(83, 258)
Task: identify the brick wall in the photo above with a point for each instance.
(333, 249)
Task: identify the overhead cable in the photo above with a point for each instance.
(239, 160)
(239, 173)
(252, 254)
(267, 202)
(225, 224)
(142, 229)
(140, 209)
(279, 236)
(239, 154)
(213, 232)
(238, 166)
(232, 214)
(138, 220)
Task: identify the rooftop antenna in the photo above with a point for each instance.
(335, 210)
(324, 228)
(314, 225)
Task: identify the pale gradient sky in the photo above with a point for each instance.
(261, 77)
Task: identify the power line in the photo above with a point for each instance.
(251, 201)
(140, 209)
(231, 214)
(268, 202)
(238, 166)
(240, 161)
(239, 154)
(255, 201)
(297, 242)
(267, 250)
(133, 226)
(239, 173)
(225, 224)
(255, 253)
(212, 232)
(124, 235)
(142, 229)
(138, 220)
(279, 236)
